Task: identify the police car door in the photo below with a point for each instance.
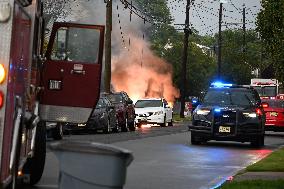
(71, 74)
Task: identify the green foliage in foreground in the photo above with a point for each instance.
(273, 162)
(254, 184)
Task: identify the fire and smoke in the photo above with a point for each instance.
(142, 74)
(136, 71)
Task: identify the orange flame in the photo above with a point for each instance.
(142, 74)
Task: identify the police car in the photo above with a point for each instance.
(229, 113)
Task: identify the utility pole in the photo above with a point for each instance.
(184, 62)
(107, 76)
(220, 40)
(244, 33)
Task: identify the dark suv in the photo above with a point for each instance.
(125, 112)
(229, 113)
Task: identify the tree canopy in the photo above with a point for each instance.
(270, 25)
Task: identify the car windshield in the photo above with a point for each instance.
(115, 98)
(275, 103)
(148, 103)
(230, 97)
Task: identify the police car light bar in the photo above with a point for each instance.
(220, 85)
(217, 110)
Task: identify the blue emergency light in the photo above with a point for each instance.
(221, 85)
(217, 110)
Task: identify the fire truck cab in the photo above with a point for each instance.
(266, 88)
(62, 86)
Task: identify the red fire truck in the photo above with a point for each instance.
(266, 88)
(61, 87)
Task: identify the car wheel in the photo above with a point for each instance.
(171, 123)
(164, 124)
(57, 132)
(139, 125)
(124, 128)
(107, 128)
(258, 142)
(194, 139)
(116, 129)
(132, 126)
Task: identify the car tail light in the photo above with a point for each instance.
(258, 111)
(2, 73)
(1, 99)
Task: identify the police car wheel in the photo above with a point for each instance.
(194, 139)
(35, 165)
(258, 141)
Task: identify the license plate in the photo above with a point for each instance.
(274, 114)
(223, 129)
(81, 125)
(55, 84)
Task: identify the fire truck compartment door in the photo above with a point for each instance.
(71, 74)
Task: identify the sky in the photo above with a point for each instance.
(204, 14)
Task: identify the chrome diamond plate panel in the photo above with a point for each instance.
(5, 43)
(53, 113)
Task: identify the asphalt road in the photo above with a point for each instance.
(165, 159)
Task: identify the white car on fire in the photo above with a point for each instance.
(153, 111)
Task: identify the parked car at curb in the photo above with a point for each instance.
(125, 113)
(229, 113)
(103, 118)
(274, 111)
(153, 111)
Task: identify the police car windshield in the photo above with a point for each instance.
(148, 103)
(229, 96)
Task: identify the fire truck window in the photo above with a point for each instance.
(76, 45)
(259, 90)
(269, 91)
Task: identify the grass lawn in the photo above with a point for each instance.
(272, 163)
(177, 118)
(254, 184)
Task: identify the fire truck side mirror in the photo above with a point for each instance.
(42, 58)
(32, 89)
